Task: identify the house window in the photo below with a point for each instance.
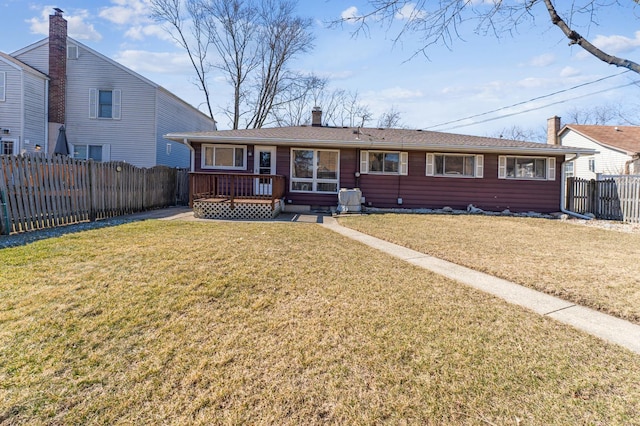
(72, 51)
(6, 147)
(314, 170)
(455, 165)
(105, 104)
(592, 165)
(384, 162)
(568, 169)
(535, 168)
(87, 152)
(229, 157)
(3, 78)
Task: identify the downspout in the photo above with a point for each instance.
(46, 120)
(563, 192)
(192, 154)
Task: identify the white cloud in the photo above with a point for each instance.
(154, 62)
(78, 25)
(399, 94)
(616, 44)
(127, 12)
(410, 12)
(569, 72)
(543, 60)
(139, 32)
(350, 14)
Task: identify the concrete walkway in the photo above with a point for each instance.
(607, 327)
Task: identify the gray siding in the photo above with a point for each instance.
(133, 137)
(37, 58)
(35, 112)
(176, 116)
(11, 108)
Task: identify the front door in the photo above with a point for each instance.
(264, 164)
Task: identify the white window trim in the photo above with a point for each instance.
(203, 157)
(550, 168)
(116, 104)
(106, 151)
(72, 51)
(314, 181)
(478, 166)
(3, 86)
(403, 163)
(14, 144)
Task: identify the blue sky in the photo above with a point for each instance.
(479, 74)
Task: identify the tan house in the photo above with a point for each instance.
(618, 148)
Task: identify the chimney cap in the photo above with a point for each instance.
(59, 11)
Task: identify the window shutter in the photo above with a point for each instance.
(479, 166)
(364, 162)
(429, 171)
(106, 153)
(93, 103)
(502, 167)
(404, 163)
(2, 85)
(551, 168)
(116, 100)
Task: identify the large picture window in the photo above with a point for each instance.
(228, 157)
(384, 162)
(455, 165)
(314, 170)
(533, 168)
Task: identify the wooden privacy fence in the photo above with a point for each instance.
(613, 197)
(39, 192)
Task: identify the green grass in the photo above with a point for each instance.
(226, 323)
(590, 266)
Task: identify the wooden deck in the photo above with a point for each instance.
(224, 208)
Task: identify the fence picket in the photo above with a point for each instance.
(42, 192)
(614, 197)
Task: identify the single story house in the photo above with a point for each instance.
(618, 149)
(305, 167)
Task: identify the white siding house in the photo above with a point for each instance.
(110, 112)
(23, 97)
(618, 149)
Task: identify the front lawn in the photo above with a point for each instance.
(226, 323)
(590, 266)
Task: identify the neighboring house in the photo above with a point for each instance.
(110, 113)
(618, 148)
(393, 168)
(23, 103)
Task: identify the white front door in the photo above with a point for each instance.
(264, 163)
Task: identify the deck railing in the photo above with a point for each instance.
(232, 187)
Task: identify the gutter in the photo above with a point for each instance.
(563, 192)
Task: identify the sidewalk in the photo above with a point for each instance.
(607, 327)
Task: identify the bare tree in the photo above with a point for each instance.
(442, 21)
(390, 119)
(188, 27)
(599, 115)
(255, 42)
(517, 133)
(302, 95)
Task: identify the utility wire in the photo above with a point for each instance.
(525, 102)
(534, 109)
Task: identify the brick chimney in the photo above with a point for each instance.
(553, 127)
(316, 117)
(57, 66)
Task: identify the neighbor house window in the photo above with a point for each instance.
(384, 162)
(6, 147)
(569, 169)
(229, 157)
(88, 152)
(455, 165)
(592, 165)
(314, 170)
(3, 78)
(72, 51)
(535, 168)
(105, 104)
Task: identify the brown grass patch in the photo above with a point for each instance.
(225, 323)
(594, 267)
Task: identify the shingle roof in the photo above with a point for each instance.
(371, 138)
(626, 138)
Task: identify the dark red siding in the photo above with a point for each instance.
(419, 191)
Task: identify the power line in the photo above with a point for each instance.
(526, 102)
(536, 108)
